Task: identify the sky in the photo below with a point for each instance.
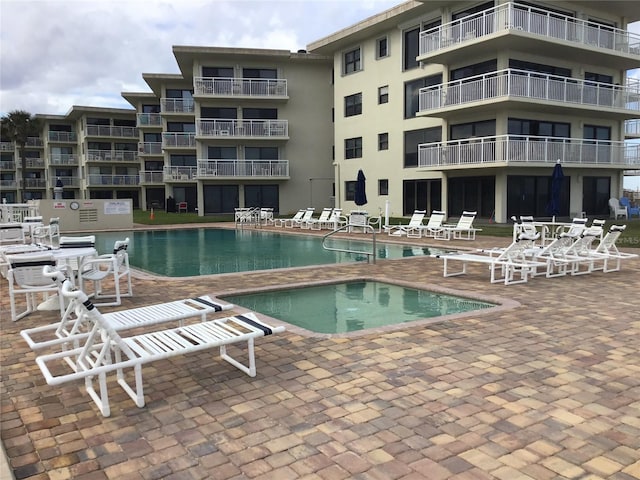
(58, 53)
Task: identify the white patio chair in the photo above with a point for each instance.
(316, 223)
(47, 234)
(463, 230)
(335, 220)
(26, 277)
(281, 222)
(414, 222)
(434, 224)
(11, 233)
(85, 241)
(616, 209)
(306, 216)
(112, 266)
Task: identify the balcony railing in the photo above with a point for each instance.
(176, 105)
(33, 183)
(178, 140)
(179, 174)
(632, 127)
(64, 137)
(99, 180)
(151, 177)
(149, 120)
(63, 159)
(70, 182)
(242, 128)
(516, 149)
(8, 184)
(111, 131)
(34, 142)
(7, 147)
(236, 87)
(532, 20)
(34, 162)
(7, 165)
(535, 86)
(242, 168)
(112, 156)
(150, 148)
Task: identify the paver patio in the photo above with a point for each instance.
(546, 390)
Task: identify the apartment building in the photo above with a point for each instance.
(443, 104)
(468, 105)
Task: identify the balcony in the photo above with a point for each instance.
(275, 129)
(7, 147)
(8, 184)
(177, 105)
(243, 168)
(518, 88)
(151, 177)
(67, 182)
(119, 156)
(99, 180)
(34, 163)
(178, 140)
(503, 150)
(632, 128)
(64, 159)
(7, 165)
(520, 27)
(35, 142)
(63, 137)
(150, 148)
(179, 174)
(149, 120)
(224, 87)
(34, 183)
(111, 131)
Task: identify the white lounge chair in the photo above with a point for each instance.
(463, 230)
(335, 220)
(436, 220)
(316, 223)
(11, 233)
(280, 222)
(415, 222)
(510, 266)
(104, 351)
(306, 216)
(112, 266)
(607, 250)
(616, 209)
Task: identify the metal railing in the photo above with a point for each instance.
(519, 149)
(63, 159)
(243, 168)
(177, 174)
(371, 256)
(73, 182)
(149, 120)
(99, 180)
(536, 86)
(232, 87)
(177, 105)
(7, 165)
(112, 131)
(242, 128)
(63, 137)
(112, 156)
(150, 148)
(532, 20)
(632, 127)
(147, 176)
(178, 140)
(248, 216)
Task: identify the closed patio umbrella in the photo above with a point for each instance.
(360, 194)
(557, 177)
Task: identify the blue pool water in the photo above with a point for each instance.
(207, 251)
(352, 306)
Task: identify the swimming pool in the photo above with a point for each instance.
(354, 305)
(209, 251)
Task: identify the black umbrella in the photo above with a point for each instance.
(361, 194)
(553, 207)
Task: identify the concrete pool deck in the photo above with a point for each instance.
(547, 390)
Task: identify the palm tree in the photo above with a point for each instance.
(18, 126)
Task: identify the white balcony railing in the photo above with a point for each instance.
(242, 128)
(149, 120)
(516, 149)
(7, 147)
(34, 163)
(148, 176)
(7, 165)
(242, 168)
(63, 159)
(70, 182)
(235, 87)
(99, 180)
(150, 148)
(33, 183)
(179, 174)
(112, 156)
(535, 86)
(178, 140)
(63, 137)
(8, 184)
(112, 131)
(34, 142)
(176, 105)
(532, 20)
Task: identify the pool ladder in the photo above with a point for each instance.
(371, 256)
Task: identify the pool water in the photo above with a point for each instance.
(207, 251)
(352, 306)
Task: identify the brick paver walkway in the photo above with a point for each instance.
(547, 390)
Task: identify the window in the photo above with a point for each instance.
(383, 187)
(541, 128)
(412, 90)
(150, 108)
(350, 191)
(224, 72)
(218, 112)
(414, 138)
(181, 127)
(351, 61)
(485, 128)
(353, 147)
(261, 153)
(411, 48)
(260, 113)
(183, 160)
(383, 141)
(221, 153)
(383, 94)
(596, 132)
(259, 73)
(353, 105)
(382, 47)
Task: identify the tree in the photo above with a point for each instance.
(18, 126)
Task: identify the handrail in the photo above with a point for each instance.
(371, 256)
(249, 216)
